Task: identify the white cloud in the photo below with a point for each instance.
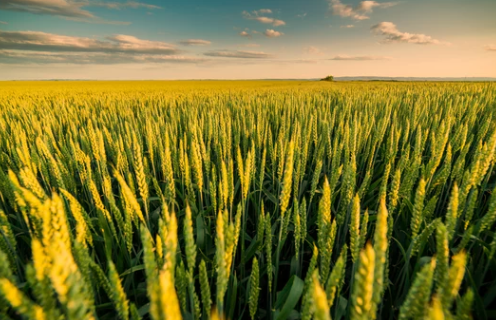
(3, 22)
(348, 26)
(313, 50)
(490, 48)
(195, 42)
(359, 12)
(238, 54)
(69, 9)
(267, 20)
(263, 11)
(359, 58)
(392, 34)
(367, 6)
(303, 15)
(245, 34)
(263, 19)
(271, 33)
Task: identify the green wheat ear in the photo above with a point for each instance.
(118, 295)
(287, 179)
(321, 308)
(452, 212)
(449, 291)
(435, 311)
(307, 301)
(354, 229)
(464, 306)
(205, 288)
(381, 244)
(20, 302)
(268, 249)
(254, 289)
(442, 257)
(416, 301)
(190, 244)
(418, 208)
(336, 278)
(363, 284)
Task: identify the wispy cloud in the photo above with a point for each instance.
(195, 42)
(251, 45)
(392, 34)
(313, 50)
(62, 8)
(238, 54)
(97, 20)
(303, 15)
(360, 12)
(3, 22)
(359, 58)
(348, 26)
(271, 33)
(41, 41)
(255, 15)
(70, 10)
(490, 47)
(46, 57)
(121, 5)
(47, 48)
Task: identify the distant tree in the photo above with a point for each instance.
(328, 78)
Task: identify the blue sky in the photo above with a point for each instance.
(222, 39)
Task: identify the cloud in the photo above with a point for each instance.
(262, 11)
(359, 12)
(367, 6)
(263, 19)
(245, 34)
(313, 50)
(303, 15)
(359, 58)
(195, 42)
(44, 48)
(120, 5)
(69, 9)
(274, 22)
(270, 33)
(238, 54)
(3, 22)
(46, 57)
(348, 26)
(490, 48)
(41, 41)
(251, 45)
(97, 20)
(63, 8)
(392, 34)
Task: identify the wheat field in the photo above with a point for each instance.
(247, 200)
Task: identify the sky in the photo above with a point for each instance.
(232, 39)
